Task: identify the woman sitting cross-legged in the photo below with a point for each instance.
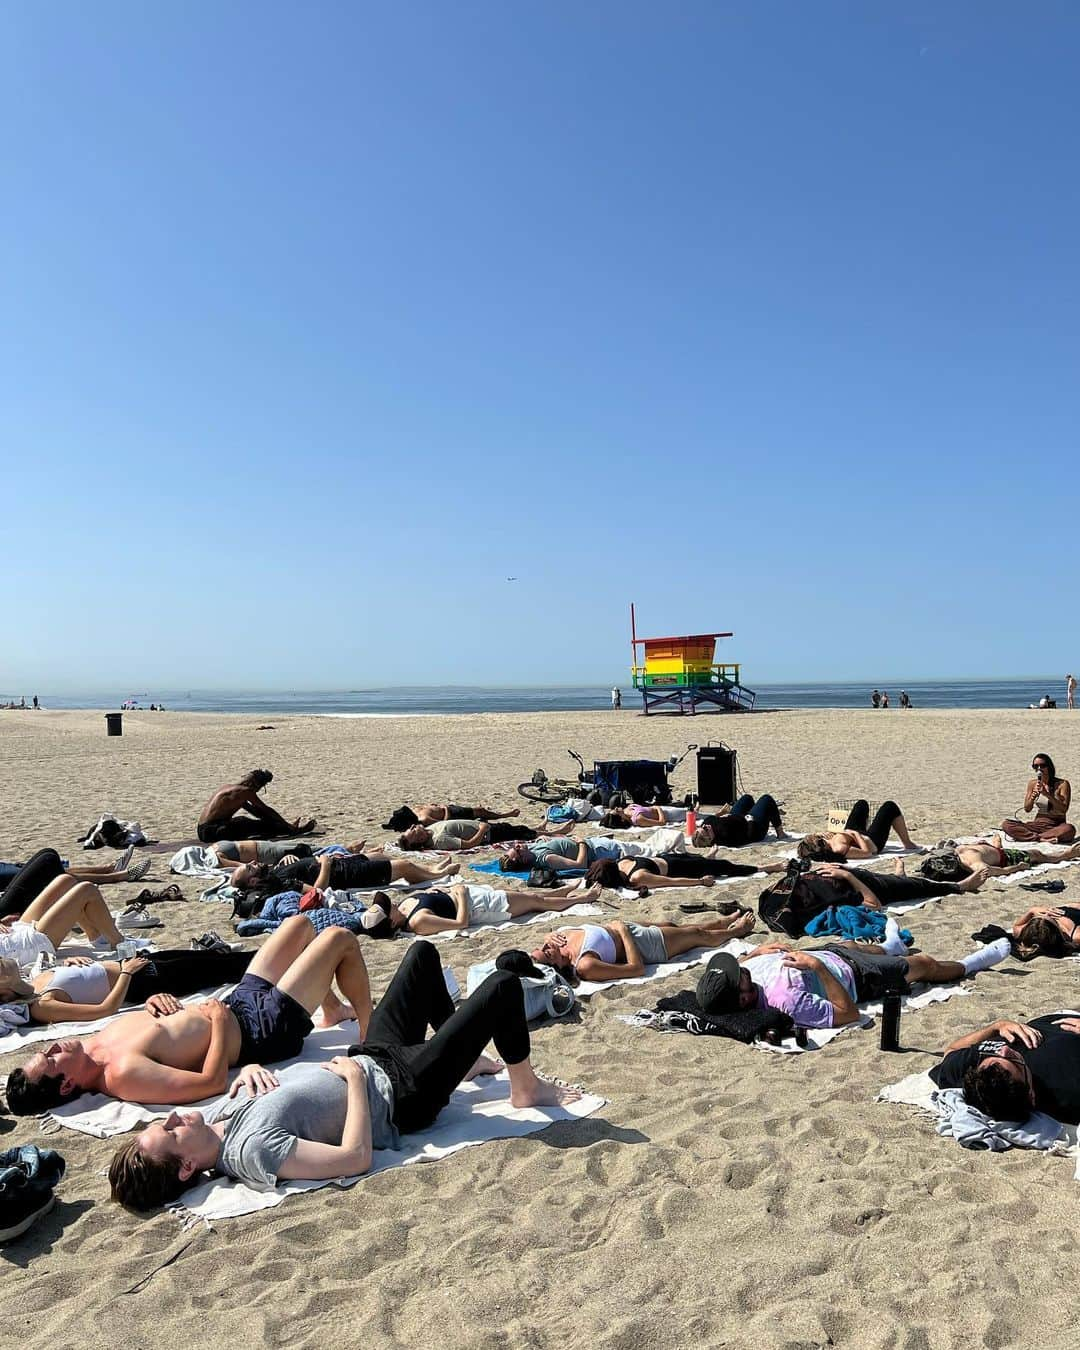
(621, 951)
(323, 1121)
(1049, 797)
(861, 837)
(81, 990)
(460, 907)
(669, 869)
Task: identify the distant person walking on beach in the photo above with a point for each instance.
(1070, 692)
(875, 699)
(36, 704)
(616, 697)
(884, 698)
(905, 702)
(237, 812)
(1049, 796)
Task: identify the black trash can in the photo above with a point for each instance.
(114, 724)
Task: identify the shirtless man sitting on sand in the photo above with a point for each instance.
(176, 1053)
(430, 813)
(236, 811)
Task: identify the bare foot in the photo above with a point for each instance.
(485, 1064)
(742, 925)
(515, 812)
(332, 1011)
(447, 868)
(591, 893)
(708, 881)
(899, 868)
(973, 882)
(541, 1093)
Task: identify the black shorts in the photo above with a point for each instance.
(358, 871)
(460, 812)
(211, 831)
(273, 1026)
(875, 973)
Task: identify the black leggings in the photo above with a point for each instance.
(238, 826)
(186, 972)
(501, 832)
(25, 887)
(892, 890)
(878, 828)
(426, 1072)
(694, 865)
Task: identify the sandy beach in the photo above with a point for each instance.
(723, 1196)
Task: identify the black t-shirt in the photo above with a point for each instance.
(1054, 1065)
(730, 831)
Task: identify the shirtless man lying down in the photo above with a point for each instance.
(175, 1053)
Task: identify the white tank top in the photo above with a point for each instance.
(82, 984)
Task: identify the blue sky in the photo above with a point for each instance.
(323, 320)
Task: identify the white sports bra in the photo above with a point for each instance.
(82, 984)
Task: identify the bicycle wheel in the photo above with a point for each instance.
(545, 792)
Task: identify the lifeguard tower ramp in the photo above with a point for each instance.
(681, 674)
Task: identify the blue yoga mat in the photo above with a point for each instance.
(569, 873)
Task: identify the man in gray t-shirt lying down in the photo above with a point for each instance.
(322, 1121)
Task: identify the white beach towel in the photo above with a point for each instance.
(196, 861)
(921, 1092)
(478, 1111)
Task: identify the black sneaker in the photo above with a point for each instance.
(20, 1207)
(27, 1178)
(210, 942)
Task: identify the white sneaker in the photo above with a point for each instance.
(136, 916)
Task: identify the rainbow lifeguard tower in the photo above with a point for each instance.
(680, 674)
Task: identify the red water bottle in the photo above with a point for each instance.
(691, 823)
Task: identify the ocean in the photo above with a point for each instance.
(430, 701)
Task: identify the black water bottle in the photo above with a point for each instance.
(890, 1020)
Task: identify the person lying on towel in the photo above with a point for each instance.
(175, 1053)
(622, 950)
(324, 1120)
(1047, 930)
(747, 822)
(452, 835)
(861, 837)
(960, 860)
(878, 890)
(461, 907)
(1007, 1069)
(429, 813)
(339, 871)
(823, 987)
(566, 855)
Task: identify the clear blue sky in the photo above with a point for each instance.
(322, 320)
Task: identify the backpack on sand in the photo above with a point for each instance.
(550, 997)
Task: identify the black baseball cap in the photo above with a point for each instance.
(718, 988)
(519, 963)
(402, 818)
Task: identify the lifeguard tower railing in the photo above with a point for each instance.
(679, 673)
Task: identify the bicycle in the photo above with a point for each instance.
(541, 788)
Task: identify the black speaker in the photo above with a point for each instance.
(715, 774)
